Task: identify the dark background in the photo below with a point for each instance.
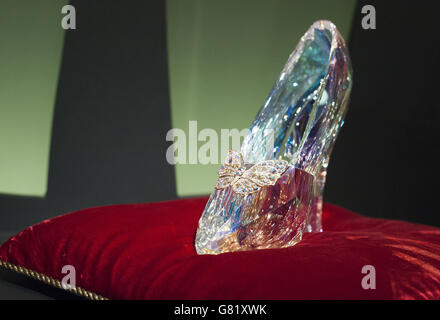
(383, 165)
(385, 160)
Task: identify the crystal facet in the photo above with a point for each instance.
(298, 123)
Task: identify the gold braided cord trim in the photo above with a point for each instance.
(51, 281)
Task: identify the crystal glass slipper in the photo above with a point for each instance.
(270, 192)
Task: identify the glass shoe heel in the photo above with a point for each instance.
(270, 192)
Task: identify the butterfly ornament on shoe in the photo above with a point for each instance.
(244, 180)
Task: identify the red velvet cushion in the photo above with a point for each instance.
(146, 251)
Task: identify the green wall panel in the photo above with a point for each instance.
(224, 57)
(31, 40)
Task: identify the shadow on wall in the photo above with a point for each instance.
(111, 115)
(384, 163)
